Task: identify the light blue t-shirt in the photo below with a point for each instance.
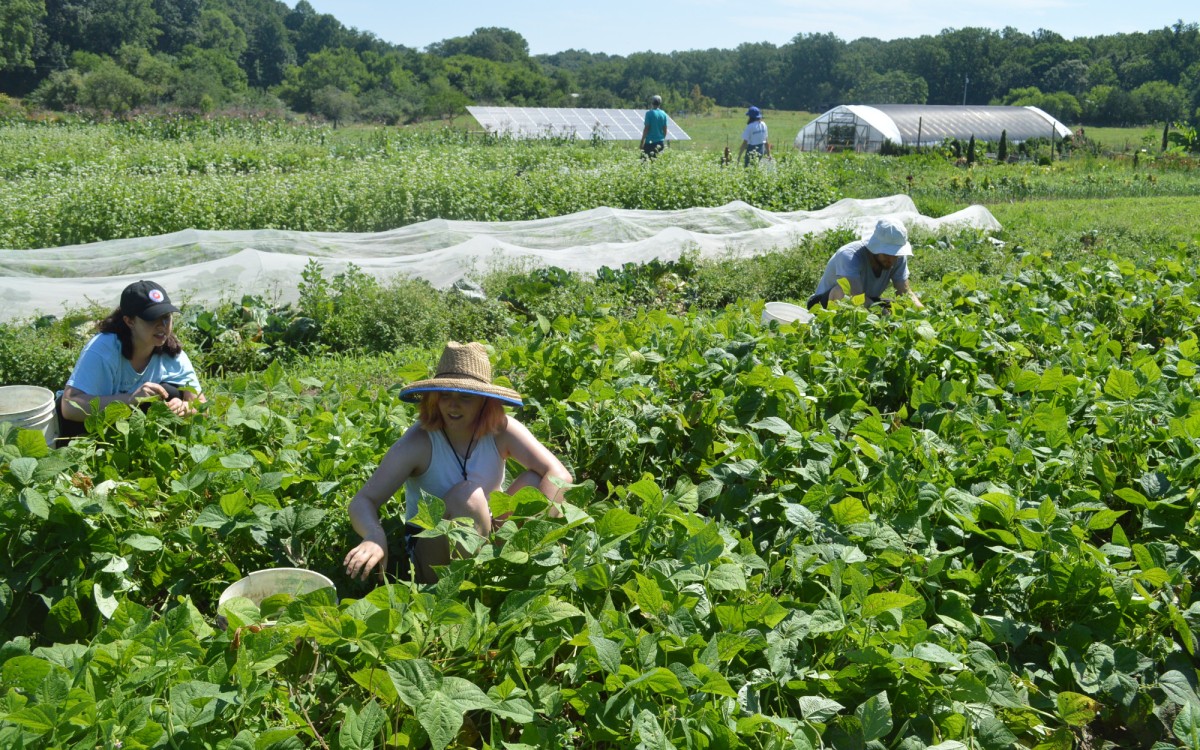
(853, 261)
(656, 119)
(102, 371)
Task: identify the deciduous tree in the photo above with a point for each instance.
(179, 24)
(490, 43)
(112, 24)
(1160, 101)
(335, 105)
(110, 88)
(19, 21)
(340, 69)
(893, 87)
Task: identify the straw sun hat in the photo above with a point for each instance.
(463, 368)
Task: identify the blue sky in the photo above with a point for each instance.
(624, 26)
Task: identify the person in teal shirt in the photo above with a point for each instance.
(654, 134)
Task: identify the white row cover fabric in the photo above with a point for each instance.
(210, 266)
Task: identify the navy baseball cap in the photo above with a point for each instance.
(147, 300)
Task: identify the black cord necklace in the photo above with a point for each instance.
(462, 462)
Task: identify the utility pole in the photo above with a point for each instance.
(966, 80)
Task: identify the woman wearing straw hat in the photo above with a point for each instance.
(456, 451)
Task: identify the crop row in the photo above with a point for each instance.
(85, 183)
(98, 203)
(962, 528)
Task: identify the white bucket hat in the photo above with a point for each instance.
(889, 238)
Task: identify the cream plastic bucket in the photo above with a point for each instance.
(783, 312)
(261, 584)
(29, 407)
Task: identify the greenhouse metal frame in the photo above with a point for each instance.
(865, 128)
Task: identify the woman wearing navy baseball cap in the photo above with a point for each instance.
(134, 358)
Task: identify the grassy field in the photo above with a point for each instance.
(970, 526)
(711, 132)
(724, 125)
(724, 128)
(1123, 140)
(83, 183)
(1146, 221)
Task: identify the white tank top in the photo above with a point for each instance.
(484, 466)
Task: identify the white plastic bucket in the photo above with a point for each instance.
(783, 312)
(261, 584)
(29, 407)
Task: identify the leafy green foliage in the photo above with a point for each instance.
(968, 527)
(41, 353)
(354, 312)
(96, 182)
(972, 526)
(75, 183)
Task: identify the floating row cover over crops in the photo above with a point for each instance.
(206, 266)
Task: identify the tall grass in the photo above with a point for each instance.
(64, 187)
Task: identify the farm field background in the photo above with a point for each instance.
(710, 132)
(84, 183)
(973, 526)
(722, 127)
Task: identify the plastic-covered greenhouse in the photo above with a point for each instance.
(860, 127)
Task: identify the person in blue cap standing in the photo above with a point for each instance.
(754, 137)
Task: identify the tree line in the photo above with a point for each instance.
(114, 56)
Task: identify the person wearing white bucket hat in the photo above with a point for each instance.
(457, 451)
(869, 266)
(134, 358)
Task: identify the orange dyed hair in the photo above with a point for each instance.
(491, 418)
